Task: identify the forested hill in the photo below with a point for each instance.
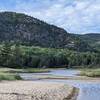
(92, 39)
(17, 27)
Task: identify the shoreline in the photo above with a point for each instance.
(74, 94)
(51, 77)
(29, 90)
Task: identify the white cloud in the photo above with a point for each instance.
(76, 16)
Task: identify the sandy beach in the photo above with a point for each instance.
(29, 90)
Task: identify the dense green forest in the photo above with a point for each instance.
(18, 56)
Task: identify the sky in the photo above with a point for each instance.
(75, 16)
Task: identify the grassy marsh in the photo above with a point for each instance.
(9, 76)
(90, 72)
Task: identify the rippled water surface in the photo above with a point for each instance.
(88, 90)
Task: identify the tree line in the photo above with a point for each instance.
(18, 56)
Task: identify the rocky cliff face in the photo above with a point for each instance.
(31, 31)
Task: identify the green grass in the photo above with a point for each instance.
(90, 72)
(9, 76)
(36, 70)
(28, 70)
(12, 74)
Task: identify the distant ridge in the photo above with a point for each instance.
(27, 30)
(93, 39)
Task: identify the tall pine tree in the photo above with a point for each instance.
(5, 54)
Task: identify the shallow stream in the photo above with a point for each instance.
(89, 90)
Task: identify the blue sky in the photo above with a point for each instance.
(76, 16)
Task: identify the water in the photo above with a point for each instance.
(88, 90)
(65, 72)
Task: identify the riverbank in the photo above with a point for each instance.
(12, 74)
(24, 70)
(9, 76)
(29, 90)
(90, 72)
(17, 74)
(49, 84)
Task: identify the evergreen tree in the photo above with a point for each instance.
(5, 54)
(17, 59)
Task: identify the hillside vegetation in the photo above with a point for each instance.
(26, 30)
(93, 39)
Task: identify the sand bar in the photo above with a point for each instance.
(30, 90)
